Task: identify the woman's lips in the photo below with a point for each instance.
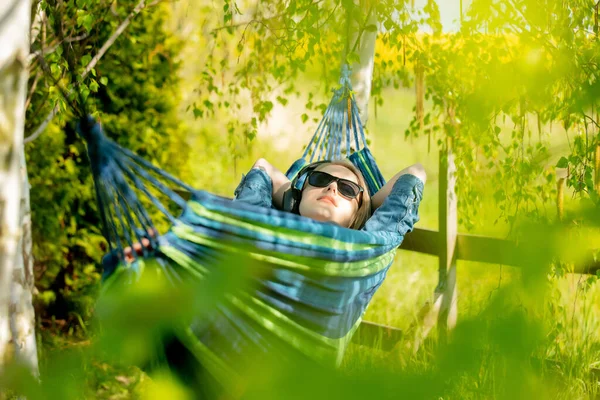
(328, 199)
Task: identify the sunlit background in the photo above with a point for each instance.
(204, 91)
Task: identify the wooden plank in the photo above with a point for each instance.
(424, 241)
(501, 251)
(468, 247)
(377, 336)
(385, 337)
(487, 249)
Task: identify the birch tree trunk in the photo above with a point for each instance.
(14, 37)
(22, 313)
(362, 71)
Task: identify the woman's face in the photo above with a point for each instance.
(325, 203)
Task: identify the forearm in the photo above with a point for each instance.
(379, 197)
(280, 182)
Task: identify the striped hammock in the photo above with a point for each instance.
(319, 277)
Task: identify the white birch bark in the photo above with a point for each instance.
(362, 71)
(22, 313)
(14, 37)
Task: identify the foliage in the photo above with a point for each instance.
(255, 54)
(498, 91)
(134, 91)
(496, 88)
(499, 353)
(509, 64)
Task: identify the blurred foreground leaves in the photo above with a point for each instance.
(501, 353)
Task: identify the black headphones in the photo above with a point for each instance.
(292, 196)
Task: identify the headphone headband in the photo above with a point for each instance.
(307, 169)
(292, 197)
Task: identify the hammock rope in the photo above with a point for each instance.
(321, 276)
(337, 130)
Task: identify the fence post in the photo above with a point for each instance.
(445, 292)
(444, 307)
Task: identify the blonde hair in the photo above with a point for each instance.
(364, 209)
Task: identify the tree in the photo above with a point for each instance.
(116, 62)
(14, 34)
(495, 88)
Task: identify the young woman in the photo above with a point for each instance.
(332, 192)
(336, 192)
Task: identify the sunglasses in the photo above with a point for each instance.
(346, 188)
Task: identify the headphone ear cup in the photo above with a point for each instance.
(287, 201)
(297, 195)
(291, 200)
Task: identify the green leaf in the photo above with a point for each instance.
(304, 118)
(352, 58)
(562, 163)
(388, 24)
(104, 80)
(85, 60)
(87, 22)
(371, 28)
(267, 106)
(54, 69)
(85, 92)
(93, 86)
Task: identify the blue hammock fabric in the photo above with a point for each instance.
(320, 277)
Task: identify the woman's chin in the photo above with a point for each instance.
(319, 215)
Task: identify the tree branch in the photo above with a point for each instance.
(33, 86)
(585, 116)
(120, 29)
(141, 5)
(36, 24)
(52, 48)
(245, 23)
(42, 126)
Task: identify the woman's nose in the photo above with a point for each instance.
(332, 186)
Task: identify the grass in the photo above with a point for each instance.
(493, 338)
(572, 320)
(570, 315)
(413, 277)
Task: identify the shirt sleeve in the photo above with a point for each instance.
(400, 210)
(255, 188)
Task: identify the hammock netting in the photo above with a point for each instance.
(317, 278)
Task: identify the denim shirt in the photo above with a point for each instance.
(398, 213)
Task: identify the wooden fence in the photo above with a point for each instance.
(450, 246)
